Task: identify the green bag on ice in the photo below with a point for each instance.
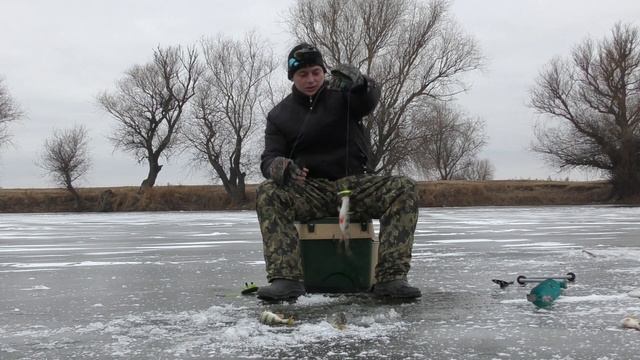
(545, 293)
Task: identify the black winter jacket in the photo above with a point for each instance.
(323, 133)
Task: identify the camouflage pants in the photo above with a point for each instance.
(392, 199)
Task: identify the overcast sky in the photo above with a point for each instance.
(56, 56)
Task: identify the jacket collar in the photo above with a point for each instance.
(307, 100)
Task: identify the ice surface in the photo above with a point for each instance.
(166, 285)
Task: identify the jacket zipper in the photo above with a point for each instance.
(312, 99)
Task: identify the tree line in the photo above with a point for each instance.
(211, 99)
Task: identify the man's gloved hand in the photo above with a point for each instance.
(346, 77)
(283, 170)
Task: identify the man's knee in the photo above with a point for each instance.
(265, 188)
(265, 196)
(407, 198)
(405, 186)
(406, 183)
(268, 192)
(273, 200)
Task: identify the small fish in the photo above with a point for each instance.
(339, 321)
(269, 318)
(343, 219)
(589, 253)
(343, 214)
(630, 322)
(503, 284)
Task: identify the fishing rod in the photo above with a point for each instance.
(522, 280)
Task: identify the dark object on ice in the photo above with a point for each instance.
(281, 289)
(545, 293)
(589, 253)
(396, 289)
(523, 279)
(503, 284)
(249, 288)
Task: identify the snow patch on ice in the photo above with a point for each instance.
(541, 245)
(256, 262)
(234, 330)
(629, 253)
(634, 293)
(209, 234)
(634, 270)
(37, 287)
(43, 249)
(175, 247)
(438, 234)
(576, 299)
(112, 253)
(590, 298)
(316, 299)
(69, 264)
(433, 254)
(460, 241)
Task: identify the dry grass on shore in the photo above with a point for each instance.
(213, 197)
(513, 193)
(159, 198)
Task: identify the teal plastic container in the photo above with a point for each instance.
(329, 267)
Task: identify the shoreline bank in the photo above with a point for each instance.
(213, 197)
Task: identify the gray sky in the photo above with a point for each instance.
(58, 55)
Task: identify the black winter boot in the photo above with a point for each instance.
(397, 289)
(281, 289)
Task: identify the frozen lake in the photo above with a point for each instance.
(166, 286)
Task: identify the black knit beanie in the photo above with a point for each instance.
(303, 55)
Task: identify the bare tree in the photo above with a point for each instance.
(414, 50)
(595, 95)
(448, 142)
(8, 112)
(229, 103)
(65, 158)
(477, 170)
(149, 106)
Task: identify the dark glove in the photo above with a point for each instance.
(282, 170)
(346, 77)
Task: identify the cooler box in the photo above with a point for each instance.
(327, 267)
